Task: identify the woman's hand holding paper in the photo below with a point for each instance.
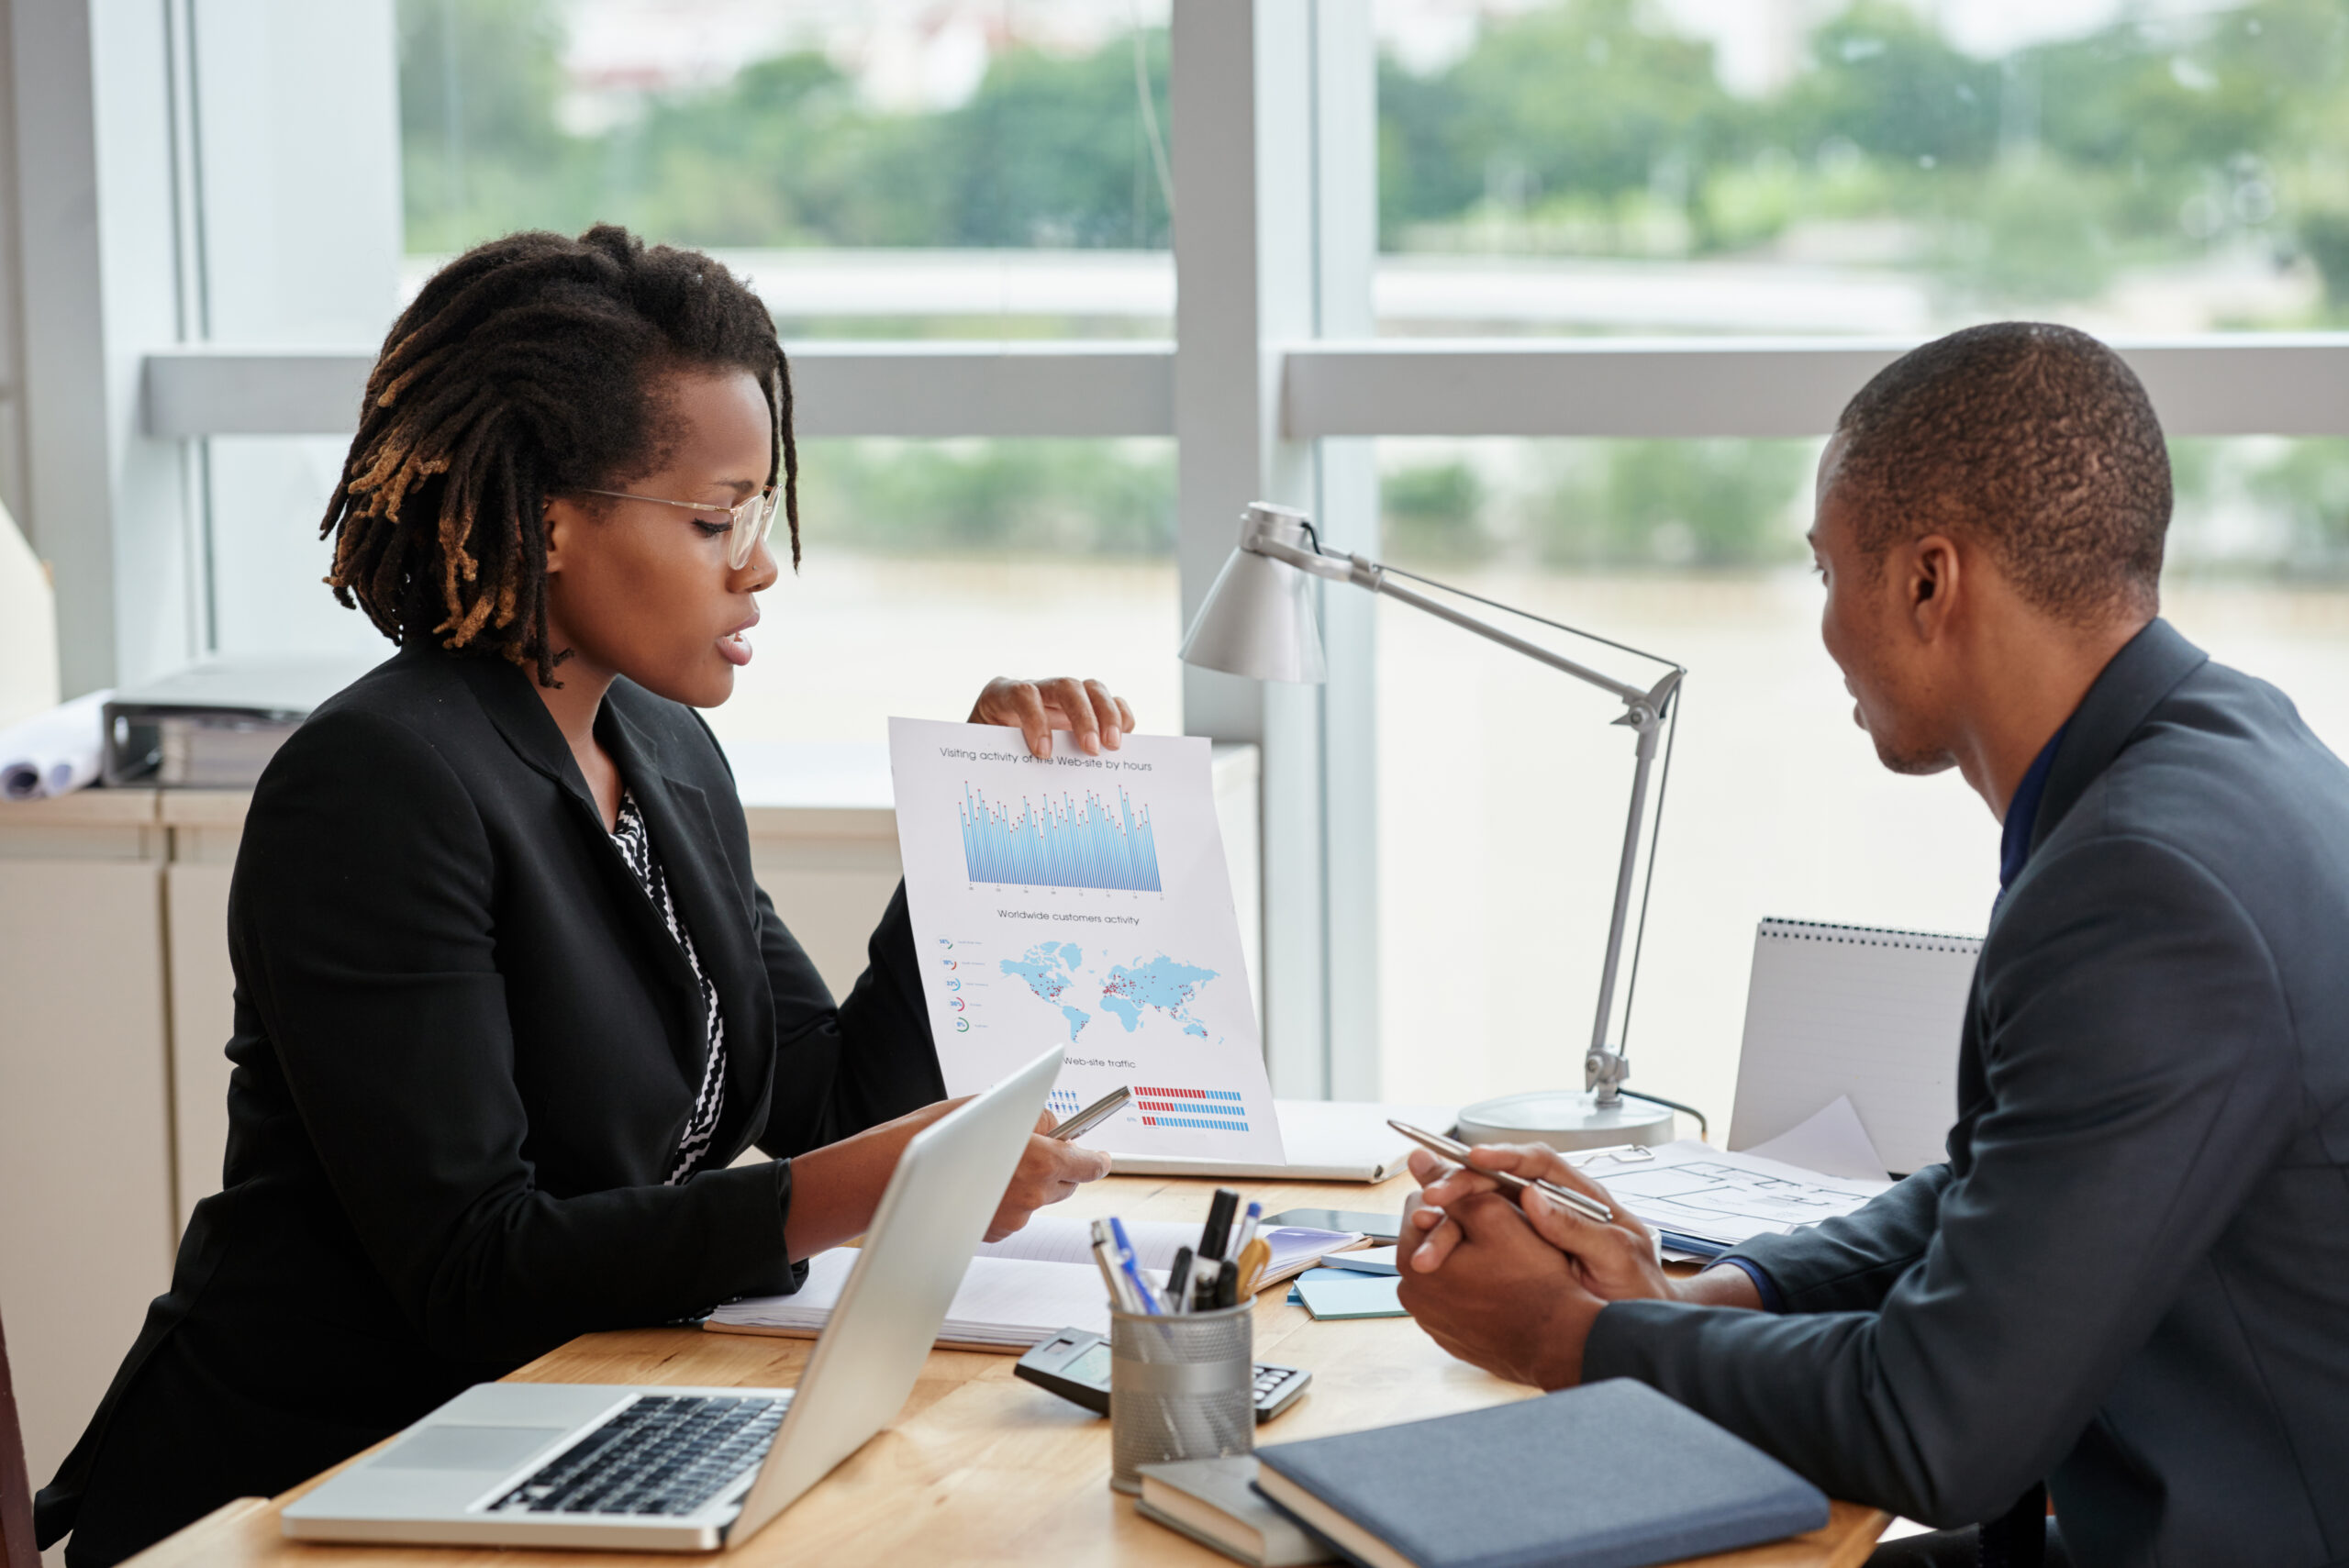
(1085, 709)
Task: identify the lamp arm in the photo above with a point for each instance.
(1366, 574)
(1604, 1068)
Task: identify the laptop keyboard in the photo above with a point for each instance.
(662, 1454)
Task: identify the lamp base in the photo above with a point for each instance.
(1564, 1118)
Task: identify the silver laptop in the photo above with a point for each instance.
(689, 1469)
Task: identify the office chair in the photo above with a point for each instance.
(16, 1486)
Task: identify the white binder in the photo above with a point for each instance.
(1853, 1010)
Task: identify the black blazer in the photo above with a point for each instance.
(466, 1048)
(2132, 1277)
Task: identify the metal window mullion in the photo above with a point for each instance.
(2219, 385)
(1244, 261)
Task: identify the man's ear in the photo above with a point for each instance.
(1932, 585)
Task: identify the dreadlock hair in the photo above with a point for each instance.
(527, 367)
(2035, 440)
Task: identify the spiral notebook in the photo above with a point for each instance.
(1856, 1011)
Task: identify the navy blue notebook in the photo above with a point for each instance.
(1609, 1475)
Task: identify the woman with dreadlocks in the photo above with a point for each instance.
(510, 1003)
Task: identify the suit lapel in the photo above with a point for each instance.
(685, 837)
(503, 689)
(716, 913)
(503, 692)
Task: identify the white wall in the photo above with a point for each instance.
(28, 628)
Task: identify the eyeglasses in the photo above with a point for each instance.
(749, 522)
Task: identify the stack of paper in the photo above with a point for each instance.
(1023, 1290)
(1370, 1260)
(1703, 1201)
(1005, 1304)
(216, 725)
(1833, 1142)
(1055, 1238)
(1336, 1294)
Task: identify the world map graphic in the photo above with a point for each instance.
(1058, 975)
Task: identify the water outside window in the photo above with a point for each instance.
(933, 565)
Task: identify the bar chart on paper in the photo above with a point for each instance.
(1219, 1108)
(1084, 902)
(1068, 842)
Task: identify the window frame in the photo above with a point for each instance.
(1274, 386)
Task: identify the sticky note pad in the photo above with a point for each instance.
(1323, 1271)
(1338, 1293)
(1365, 1261)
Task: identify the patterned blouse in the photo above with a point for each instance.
(636, 848)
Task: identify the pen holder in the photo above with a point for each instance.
(1180, 1388)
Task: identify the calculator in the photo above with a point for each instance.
(1075, 1364)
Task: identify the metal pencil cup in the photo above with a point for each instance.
(1180, 1387)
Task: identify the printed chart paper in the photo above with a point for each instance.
(1084, 902)
(1696, 1190)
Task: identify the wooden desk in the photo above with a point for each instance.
(981, 1468)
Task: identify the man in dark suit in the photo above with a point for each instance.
(2132, 1277)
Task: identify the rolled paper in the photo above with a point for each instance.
(55, 752)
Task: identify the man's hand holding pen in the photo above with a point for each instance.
(1513, 1283)
(1614, 1261)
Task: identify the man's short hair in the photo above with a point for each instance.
(2035, 440)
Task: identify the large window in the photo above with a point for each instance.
(1814, 169)
(1675, 225)
(987, 171)
(1502, 786)
(973, 171)
(962, 169)
(1867, 166)
(933, 565)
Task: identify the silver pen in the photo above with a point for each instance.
(1452, 1148)
(1093, 1116)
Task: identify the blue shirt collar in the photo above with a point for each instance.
(2022, 811)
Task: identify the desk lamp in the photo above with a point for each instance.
(1258, 621)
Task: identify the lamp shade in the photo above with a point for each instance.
(1258, 621)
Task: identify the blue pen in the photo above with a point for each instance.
(1133, 1270)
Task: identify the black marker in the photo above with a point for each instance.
(1218, 1231)
(1177, 1278)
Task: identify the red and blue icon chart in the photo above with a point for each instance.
(1222, 1109)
